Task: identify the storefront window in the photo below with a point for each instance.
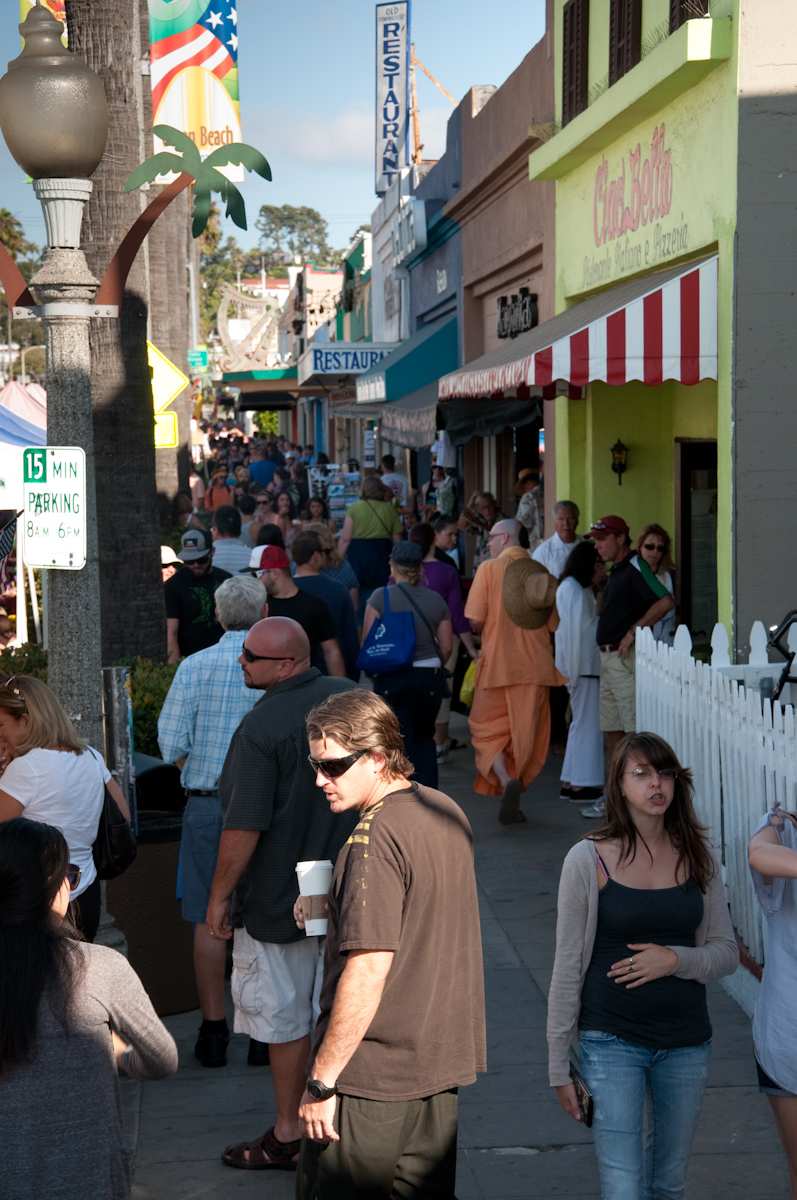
(625, 37)
(574, 65)
(685, 10)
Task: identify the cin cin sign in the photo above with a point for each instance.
(637, 196)
(518, 314)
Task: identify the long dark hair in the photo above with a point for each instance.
(423, 535)
(37, 950)
(687, 835)
(580, 563)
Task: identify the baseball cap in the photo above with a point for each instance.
(194, 544)
(406, 554)
(269, 558)
(168, 556)
(606, 525)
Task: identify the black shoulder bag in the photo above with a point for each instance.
(115, 847)
(440, 673)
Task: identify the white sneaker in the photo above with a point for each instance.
(594, 811)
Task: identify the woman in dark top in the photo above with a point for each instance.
(642, 926)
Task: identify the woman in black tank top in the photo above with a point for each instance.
(643, 1027)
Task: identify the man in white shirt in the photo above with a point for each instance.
(398, 483)
(229, 552)
(554, 552)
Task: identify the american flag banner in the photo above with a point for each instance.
(8, 533)
(194, 70)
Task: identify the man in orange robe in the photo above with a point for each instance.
(510, 720)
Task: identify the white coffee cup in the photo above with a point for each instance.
(315, 880)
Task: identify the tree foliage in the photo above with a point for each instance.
(294, 234)
(28, 259)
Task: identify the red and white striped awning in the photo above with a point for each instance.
(662, 326)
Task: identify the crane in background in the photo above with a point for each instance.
(417, 144)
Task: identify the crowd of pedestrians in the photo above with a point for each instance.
(309, 716)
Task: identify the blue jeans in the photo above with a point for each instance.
(635, 1162)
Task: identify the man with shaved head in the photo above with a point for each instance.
(511, 605)
(272, 820)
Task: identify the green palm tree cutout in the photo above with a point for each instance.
(207, 178)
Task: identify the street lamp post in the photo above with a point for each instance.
(54, 118)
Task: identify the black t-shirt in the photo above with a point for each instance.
(190, 600)
(313, 616)
(268, 785)
(405, 882)
(627, 598)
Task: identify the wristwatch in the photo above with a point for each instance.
(320, 1091)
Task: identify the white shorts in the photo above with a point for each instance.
(275, 987)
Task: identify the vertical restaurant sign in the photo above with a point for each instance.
(194, 54)
(392, 92)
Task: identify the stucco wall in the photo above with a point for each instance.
(700, 129)
(764, 407)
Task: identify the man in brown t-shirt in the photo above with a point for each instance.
(402, 1004)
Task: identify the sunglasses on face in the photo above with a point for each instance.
(73, 876)
(333, 768)
(654, 546)
(253, 658)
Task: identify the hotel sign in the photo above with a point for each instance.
(409, 232)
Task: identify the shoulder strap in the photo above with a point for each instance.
(379, 518)
(385, 601)
(600, 860)
(424, 618)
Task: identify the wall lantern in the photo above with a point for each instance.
(619, 460)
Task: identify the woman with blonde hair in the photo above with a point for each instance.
(51, 775)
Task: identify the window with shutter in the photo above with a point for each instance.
(574, 61)
(625, 37)
(685, 10)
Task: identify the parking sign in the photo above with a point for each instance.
(54, 507)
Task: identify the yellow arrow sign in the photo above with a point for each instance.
(168, 381)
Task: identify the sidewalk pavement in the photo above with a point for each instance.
(514, 1139)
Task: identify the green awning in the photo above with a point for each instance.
(431, 352)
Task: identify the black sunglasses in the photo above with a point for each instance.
(253, 658)
(654, 546)
(73, 876)
(333, 768)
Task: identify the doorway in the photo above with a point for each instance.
(696, 534)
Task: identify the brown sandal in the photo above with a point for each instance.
(264, 1154)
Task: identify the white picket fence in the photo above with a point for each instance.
(742, 751)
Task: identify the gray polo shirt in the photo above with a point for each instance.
(267, 784)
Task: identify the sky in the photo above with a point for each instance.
(307, 95)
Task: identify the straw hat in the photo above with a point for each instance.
(528, 593)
